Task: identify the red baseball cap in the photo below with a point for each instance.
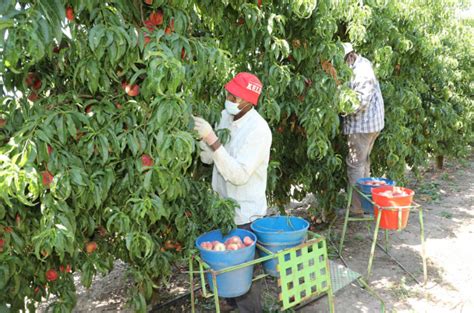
(245, 86)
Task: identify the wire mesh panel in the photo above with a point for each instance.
(341, 276)
(304, 273)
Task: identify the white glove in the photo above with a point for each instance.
(206, 153)
(204, 130)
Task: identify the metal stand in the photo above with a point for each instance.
(360, 280)
(385, 248)
(305, 273)
(308, 262)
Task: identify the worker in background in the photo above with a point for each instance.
(363, 125)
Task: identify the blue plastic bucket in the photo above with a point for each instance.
(234, 283)
(367, 191)
(277, 233)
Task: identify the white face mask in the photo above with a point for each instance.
(232, 107)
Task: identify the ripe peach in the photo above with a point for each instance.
(37, 84)
(219, 247)
(233, 239)
(147, 160)
(206, 245)
(156, 18)
(91, 247)
(70, 14)
(30, 79)
(132, 90)
(65, 269)
(169, 245)
(248, 241)
(51, 275)
(33, 96)
(232, 246)
(47, 178)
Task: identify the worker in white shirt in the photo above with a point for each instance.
(240, 166)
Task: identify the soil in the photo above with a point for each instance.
(447, 198)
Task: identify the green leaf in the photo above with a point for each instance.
(41, 135)
(104, 148)
(147, 180)
(87, 274)
(132, 143)
(5, 23)
(4, 275)
(71, 127)
(2, 211)
(61, 187)
(97, 195)
(61, 132)
(76, 176)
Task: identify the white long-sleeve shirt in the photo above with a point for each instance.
(240, 166)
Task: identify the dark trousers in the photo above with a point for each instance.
(358, 161)
(251, 301)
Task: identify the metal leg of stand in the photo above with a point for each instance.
(365, 286)
(330, 301)
(374, 242)
(423, 248)
(346, 220)
(216, 296)
(203, 281)
(191, 284)
(386, 240)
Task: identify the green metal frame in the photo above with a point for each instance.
(414, 206)
(307, 265)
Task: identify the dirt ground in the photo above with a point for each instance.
(447, 197)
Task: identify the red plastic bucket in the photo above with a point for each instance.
(391, 196)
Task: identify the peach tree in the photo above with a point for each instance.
(98, 158)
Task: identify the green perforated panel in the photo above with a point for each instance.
(304, 272)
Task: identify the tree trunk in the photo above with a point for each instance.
(439, 162)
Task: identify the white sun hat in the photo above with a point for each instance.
(347, 48)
